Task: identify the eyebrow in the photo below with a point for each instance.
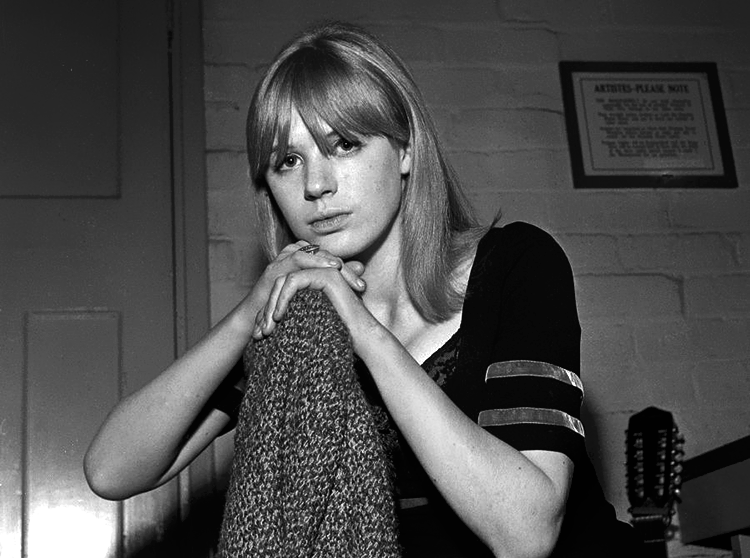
(291, 146)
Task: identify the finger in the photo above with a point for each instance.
(257, 333)
(351, 272)
(318, 279)
(306, 259)
(270, 311)
(294, 247)
(356, 267)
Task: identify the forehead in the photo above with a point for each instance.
(298, 129)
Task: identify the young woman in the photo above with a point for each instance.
(467, 336)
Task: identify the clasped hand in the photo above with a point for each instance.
(293, 270)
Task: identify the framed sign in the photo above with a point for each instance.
(646, 125)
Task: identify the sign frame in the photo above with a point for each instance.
(646, 125)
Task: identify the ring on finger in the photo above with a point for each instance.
(310, 249)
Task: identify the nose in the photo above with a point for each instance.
(320, 179)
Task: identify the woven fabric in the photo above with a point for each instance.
(310, 477)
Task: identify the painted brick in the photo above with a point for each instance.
(225, 127)
(443, 122)
(721, 295)
(227, 170)
(719, 210)
(735, 87)
(229, 84)
(482, 87)
(591, 252)
(688, 252)
(738, 122)
(743, 250)
(245, 42)
(417, 10)
(612, 211)
(576, 13)
(230, 213)
(693, 340)
(667, 385)
(676, 13)
(606, 445)
(710, 44)
(674, 45)
(722, 384)
(611, 43)
(225, 295)
(632, 296)
(490, 130)
(525, 170)
(742, 165)
(513, 206)
(667, 341)
(617, 386)
(252, 261)
(416, 44)
(603, 344)
(712, 428)
(222, 262)
(486, 204)
(506, 45)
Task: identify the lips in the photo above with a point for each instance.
(329, 221)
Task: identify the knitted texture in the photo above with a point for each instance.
(310, 477)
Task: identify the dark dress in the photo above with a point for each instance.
(513, 367)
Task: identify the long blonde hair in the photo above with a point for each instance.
(343, 77)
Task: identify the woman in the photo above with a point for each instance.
(468, 337)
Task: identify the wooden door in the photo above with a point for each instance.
(91, 270)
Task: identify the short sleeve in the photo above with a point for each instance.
(531, 395)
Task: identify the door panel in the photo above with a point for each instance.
(87, 304)
(66, 56)
(72, 373)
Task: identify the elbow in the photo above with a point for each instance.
(97, 480)
(536, 538)
(102, 480)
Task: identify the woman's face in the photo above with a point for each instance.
(348, 202)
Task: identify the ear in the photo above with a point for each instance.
(405, 154)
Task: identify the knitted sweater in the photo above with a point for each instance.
(310, 477)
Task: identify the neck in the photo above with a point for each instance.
(386, 295)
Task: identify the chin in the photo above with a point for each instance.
(341, 247)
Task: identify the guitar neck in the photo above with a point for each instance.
(654, 450)
(652, 531)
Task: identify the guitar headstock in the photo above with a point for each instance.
(654, 464)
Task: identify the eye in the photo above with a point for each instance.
(344, 145)
(288, 161)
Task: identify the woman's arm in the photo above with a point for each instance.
(514, 501)
(151, 435)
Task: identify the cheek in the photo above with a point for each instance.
(284, 203)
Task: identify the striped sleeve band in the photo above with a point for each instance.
(499, 373)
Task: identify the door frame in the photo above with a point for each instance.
(188, 173)
(198, 483)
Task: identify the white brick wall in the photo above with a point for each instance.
(663, 277)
